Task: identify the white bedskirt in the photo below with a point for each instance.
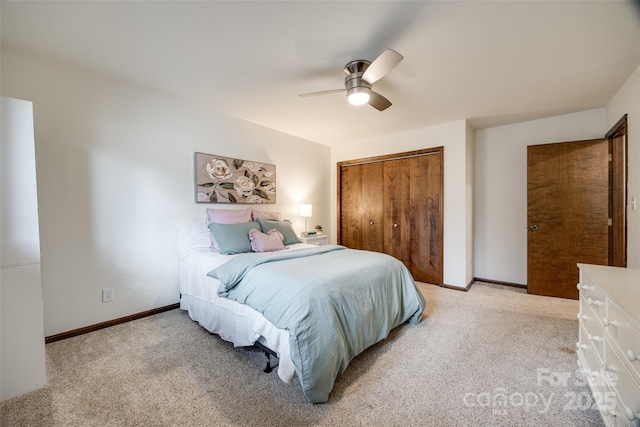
(232, 321)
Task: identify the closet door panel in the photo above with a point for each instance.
(393, 204)
(351, 207)
(397, 222)
(425, 194)
(372, 207)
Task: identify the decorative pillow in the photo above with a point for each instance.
(266, 242)
(284, 227)
(226, 216)
(255, 214)
(232, 238)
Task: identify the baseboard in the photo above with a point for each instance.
(98, 326)
(498, 282)
(458, 288)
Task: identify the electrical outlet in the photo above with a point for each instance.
(107, 295)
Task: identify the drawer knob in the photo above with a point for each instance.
(595, 302)
(581, 346)
(606, 322)
(631, 356)
(583, 287)
(631, 416)
(582, 316)
(611, 368)
(594, 338)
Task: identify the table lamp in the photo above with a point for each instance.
(305, 212)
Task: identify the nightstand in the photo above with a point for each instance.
(315, 240)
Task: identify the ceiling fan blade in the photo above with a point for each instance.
(378, 101)
(380, 66)
(322, 92)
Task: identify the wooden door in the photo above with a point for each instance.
(372, 206)
(397, 218)
(425, 195)
(350, 197)
(568, 211)
(394, 204)
(618, 193)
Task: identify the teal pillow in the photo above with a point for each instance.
(284, 227)
(233, 238)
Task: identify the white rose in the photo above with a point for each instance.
(243, 186)
(254, 199)
(252, 166)
(218, 169)
(270, 188)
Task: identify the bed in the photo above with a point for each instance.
(315, 307)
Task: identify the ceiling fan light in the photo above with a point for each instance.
(359, 95)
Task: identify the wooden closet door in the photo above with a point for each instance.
(372, 207)
(425, 211)
(351, 206)
(397, 221)
(393, 204)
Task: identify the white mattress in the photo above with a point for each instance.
(232, 321)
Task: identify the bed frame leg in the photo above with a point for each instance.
(268, 368)
(267, 352)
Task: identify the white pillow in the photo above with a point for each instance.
(192, 236)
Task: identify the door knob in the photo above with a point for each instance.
(371, 222)
(534, 228)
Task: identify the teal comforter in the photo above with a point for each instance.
(334, 302)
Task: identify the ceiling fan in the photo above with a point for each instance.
(361, 75)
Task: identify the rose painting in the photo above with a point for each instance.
(226, 180)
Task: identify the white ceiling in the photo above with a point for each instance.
(492, 62)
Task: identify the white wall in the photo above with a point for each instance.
(457, 141)
(500, 209)
(627, 101)
(115, 173)
(22, 354)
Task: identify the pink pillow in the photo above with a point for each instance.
(266, 242)
(265, 215)
(226, 216)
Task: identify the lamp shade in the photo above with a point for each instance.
(305, 211)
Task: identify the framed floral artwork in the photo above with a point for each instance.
(227, 180)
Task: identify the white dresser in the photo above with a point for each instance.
(608, 347)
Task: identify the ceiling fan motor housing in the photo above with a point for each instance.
(353, 81)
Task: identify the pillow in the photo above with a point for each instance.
(226, 216)
(233, 238)
(193, 236)
(255, 214)
(284, 227)
(266, 242)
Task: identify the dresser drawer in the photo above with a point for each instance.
(613, 410)
(594, 298)
(589, 289)
(625, 336)
(591, 362)
(625, 386)
(593, 328)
